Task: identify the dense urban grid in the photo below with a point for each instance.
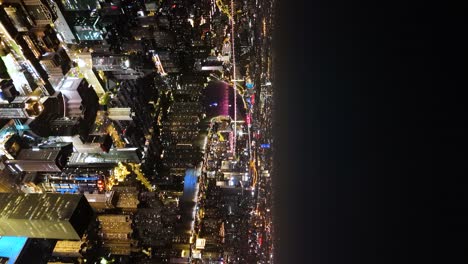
(136, 131)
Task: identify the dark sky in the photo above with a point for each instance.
(371, 127)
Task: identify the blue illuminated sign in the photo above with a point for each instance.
(11, 247)
(86, 178)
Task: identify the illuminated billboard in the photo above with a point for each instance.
(200, 243)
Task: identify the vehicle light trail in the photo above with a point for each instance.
(234, 75)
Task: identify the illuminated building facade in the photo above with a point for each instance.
(51, 216)
(73, 181)
(57, 64)
(40, 160)
(26, 33)
(23, 250)
(81, 106)
(22, 107)
(104, 160)
(10, 248)
(102, 201)
(122, 67)
(116, 233)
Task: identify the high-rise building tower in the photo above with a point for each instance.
(42, 160)
(22, 107)
(51, 216)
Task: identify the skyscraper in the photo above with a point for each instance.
(44, 160)
(51, 216)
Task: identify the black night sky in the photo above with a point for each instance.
(371, 131)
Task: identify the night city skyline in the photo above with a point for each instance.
(233, 131)
(136, 131)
